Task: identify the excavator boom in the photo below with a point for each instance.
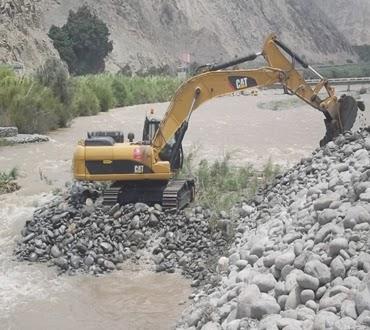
(215, 81)
(143, 171)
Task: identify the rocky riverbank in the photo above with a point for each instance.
(10, 135)
(26, 138)
(301, 258)
(295, 257)
(77, 234)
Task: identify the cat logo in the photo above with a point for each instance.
(241, 82)
(139, 169)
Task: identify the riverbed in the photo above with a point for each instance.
(34, 297)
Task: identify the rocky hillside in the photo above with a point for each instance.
(154, 32)
(352, 19)
(301, 256)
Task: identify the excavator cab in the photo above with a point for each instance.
(151, 125)
(173, 151)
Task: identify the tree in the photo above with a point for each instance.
(83, 42)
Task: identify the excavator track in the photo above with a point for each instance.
(178, 194)
(110, 196)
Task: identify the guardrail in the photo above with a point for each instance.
(342, 81)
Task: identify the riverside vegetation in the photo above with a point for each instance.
(8, 182)
(51, 99)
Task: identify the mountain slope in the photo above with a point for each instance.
(351, 18)
(155, 32)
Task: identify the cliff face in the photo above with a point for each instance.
(352, 18)
(22, 37)
(155, 32)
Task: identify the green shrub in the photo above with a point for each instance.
(28, 105)
(101, 86)
(119, 91)
(34, 109)
(83, 42)
(51, 98)
(54, 74)
(220, 185)
(85, 102)
(8, 182)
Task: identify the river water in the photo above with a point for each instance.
(33, 297)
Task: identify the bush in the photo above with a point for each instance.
(102, 88)
(34, 108)
(85, 102)
(8, 182)
(83, 42)
(51, 99)
(54, 74)
(119, 91)
(28, 105)
(220, 185)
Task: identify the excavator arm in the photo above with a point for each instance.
(216, 81)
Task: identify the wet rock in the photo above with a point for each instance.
(107, 247)
(223, 264)
(75, 261)
(61, 262)
(89, 260)
(55, 252)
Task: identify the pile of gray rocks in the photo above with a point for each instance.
(76, 233)
(10, 135)
(301, 255)
(27, 138)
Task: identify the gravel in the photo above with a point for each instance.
(306, 240)
(27, 138)
(77, 234)
(8, 132)
(298, 257)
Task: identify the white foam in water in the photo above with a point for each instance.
(20, 282)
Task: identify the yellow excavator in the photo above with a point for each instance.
(144, 171)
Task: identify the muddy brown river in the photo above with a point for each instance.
(33, 297)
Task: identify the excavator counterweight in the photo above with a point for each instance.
(144, 171)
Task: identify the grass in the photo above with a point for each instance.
(220, 184)
(288, 103)
(8, 182)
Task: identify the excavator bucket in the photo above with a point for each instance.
(347, 112)
(344, 115)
